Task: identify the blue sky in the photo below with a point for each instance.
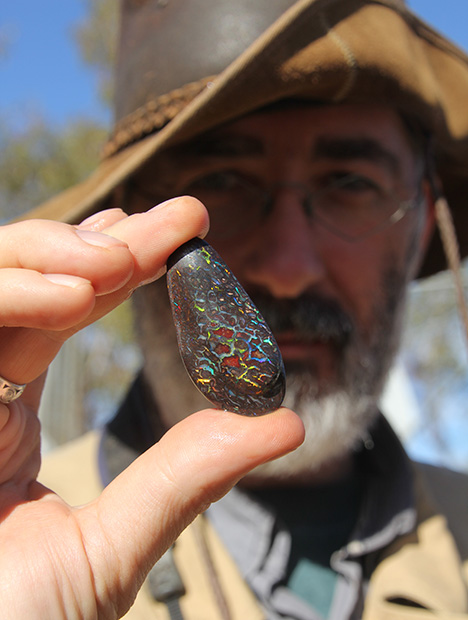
(43, 73)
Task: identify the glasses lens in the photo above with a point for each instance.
(233, 202)
(353, 206)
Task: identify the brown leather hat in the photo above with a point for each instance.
(186, 66)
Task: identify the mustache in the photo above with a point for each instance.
(309, 317)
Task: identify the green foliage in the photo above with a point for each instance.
(41, 161)
(97, 40)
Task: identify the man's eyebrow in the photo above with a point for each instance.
(342, 149)
(224, 145)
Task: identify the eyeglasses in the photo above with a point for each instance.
(350, 206)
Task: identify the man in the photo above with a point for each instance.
(314, 154)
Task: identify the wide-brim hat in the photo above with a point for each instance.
(186, 66)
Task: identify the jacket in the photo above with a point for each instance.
(419, 576)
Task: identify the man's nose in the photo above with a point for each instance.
(287, 256)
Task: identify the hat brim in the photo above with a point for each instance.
(331, 51)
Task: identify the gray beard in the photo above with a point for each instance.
(335, 425)
(336, 417)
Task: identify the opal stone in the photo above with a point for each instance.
(227, 348)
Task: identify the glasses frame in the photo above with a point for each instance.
(269, 198)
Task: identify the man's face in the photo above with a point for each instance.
(333, 299)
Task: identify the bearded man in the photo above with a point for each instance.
(317, 135)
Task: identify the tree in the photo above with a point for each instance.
(97, 41)
(38, 162)
(41, 160)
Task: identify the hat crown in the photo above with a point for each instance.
(167, 44)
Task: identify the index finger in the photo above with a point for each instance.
(150, 237)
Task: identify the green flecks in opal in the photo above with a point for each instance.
(227, 347)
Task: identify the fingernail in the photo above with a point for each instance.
(97, 220)
(164, 204)
(99, 239)
(64, 279)
(92, 219)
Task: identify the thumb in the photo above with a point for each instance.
(195, 463)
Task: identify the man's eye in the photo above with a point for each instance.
(352, 183)
(216, 182)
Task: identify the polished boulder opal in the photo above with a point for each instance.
(227, 348)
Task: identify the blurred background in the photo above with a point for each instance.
(56, 68)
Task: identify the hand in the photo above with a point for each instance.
(58, 561)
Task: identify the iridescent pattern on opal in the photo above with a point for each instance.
(227, 348)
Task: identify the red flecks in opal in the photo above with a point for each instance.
(222, 348)
(224, 331)
(232, 362)
(227, 348)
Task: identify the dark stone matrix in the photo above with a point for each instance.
(227, 348)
